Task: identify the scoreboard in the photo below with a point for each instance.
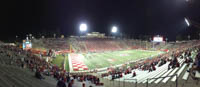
(157, 39)
(26, 44)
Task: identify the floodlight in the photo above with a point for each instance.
(83, 27)
(114, 29)
(187, 22)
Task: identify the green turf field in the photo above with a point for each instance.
(101, 60)
(59, 60)
(106, 59)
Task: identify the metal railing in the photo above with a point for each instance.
(119, 83)
(125, 83)
(130, 79)
(163, 77)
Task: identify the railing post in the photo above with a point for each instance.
(136, 83)
(147, 82)
(113, 82)
(176, 80)
(123, 82)
(131, 82)
(110, 82)
(119, 82)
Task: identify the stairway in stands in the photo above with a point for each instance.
(12, 76)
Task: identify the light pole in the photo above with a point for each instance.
(188, 37)
(83, 28)
(30, 36)
(187, 22)
(152, 42)
(114, 30)
(27, 37)
(16, 38)
(54, 35)
(199, 36)
(146, 44)
(166, 41)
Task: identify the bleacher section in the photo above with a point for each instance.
(52, 43)
(103, 44)
(162, 71)
(106, 44)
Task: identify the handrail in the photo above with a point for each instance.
(130, 79)
(163, 77)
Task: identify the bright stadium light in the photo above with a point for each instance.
(83, 27)
(187, 22)
(114, 29)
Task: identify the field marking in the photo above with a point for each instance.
(114, 52)
(70, 63)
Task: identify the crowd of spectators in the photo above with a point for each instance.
(195, 64)
(111, 44)
(99, 44)
(52, 43)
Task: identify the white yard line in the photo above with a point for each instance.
(70, 63)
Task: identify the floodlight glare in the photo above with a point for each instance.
(187, 22)
(114, 29)
(83, 27)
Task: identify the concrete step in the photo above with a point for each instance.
(4, 83)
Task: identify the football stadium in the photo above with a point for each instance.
(101, 44)
(110, 62)
(98, 57)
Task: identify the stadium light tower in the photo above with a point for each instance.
(187, 22)
(114, 29)
(83, 27)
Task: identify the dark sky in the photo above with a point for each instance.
(132, 17)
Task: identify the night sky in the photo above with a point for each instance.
(132, 17)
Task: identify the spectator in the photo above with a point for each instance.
(195, 67)
(83, 85)
(61, 83)
(169, 67)
(134, 74)
(153, 67)
(38, 75)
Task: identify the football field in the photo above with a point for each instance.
(106, 59)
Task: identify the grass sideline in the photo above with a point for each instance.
(59, 60)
